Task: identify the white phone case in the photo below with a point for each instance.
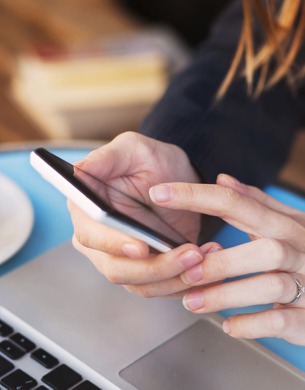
(89, 207)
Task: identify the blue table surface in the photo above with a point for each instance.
(52, 226)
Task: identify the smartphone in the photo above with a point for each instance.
(106, 204)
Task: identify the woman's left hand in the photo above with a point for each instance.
(273, 263)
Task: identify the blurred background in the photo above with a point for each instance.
(52, 52)
(89, 69)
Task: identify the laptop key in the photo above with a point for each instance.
(5, 366)
(23, 342)
(86, 386)
(62, 378)
(18, 380)
(11, 350)
(44, 358)
(5, 329)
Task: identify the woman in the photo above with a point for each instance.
(246, 136)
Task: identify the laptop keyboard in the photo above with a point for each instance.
(24, 364)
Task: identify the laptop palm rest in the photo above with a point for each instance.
(203, 357)
(135, 342)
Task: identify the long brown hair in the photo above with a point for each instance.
(283, 28)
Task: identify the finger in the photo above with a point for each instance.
(95, 235)
(256, 193)
(126, 271)
(257, 290)
(262, 255)
(169, 289)
(286, 323)
(238, 210)
(173, 287)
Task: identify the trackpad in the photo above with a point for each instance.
(203, 357)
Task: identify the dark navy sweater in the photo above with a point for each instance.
(247, 138)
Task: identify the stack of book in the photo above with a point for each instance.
(96, 91)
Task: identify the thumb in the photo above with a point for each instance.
(103, 163)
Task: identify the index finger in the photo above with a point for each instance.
(156, 268)
(256, 193)
(242, 212)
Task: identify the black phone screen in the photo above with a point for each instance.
(114, 202)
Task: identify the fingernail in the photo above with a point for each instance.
(190, 258)
(195, 274)
(194, 301)
(226, 326)
(79, 163)
(160, 193)
(210, 247)
(192, 275)
(131, 250)
(215, 248)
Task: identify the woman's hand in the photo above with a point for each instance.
(133, 163)
(272, 264)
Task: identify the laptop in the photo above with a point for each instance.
(105, 338)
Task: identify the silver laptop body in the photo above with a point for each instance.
(121, 341)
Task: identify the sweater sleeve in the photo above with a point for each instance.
(247, 138)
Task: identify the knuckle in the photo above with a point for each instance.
(223, 298)
(112, 275)
(222, 265)
(143, 291)
(134, 139)
(127, 135)
(278, 321)
(231, 199)
(232, 196)
(188, 191)
(216, 267)
(108, 245)
(279, 284)
(157, 269)
(81, 238)
(146, 292)
(276, 251)
(216, 297)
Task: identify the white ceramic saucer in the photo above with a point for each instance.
(16, 218)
